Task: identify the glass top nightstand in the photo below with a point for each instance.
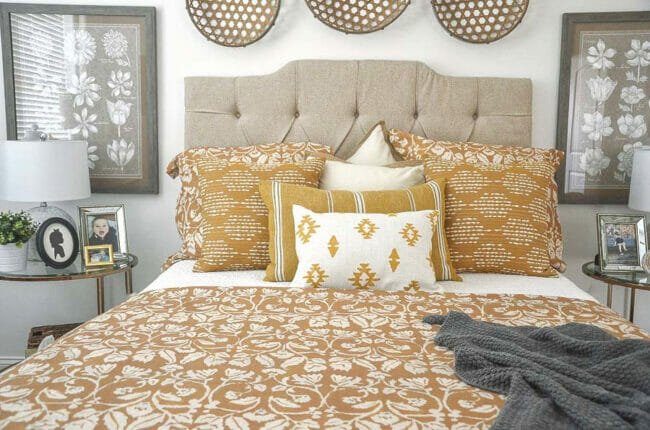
(39, 272)
(631, 280)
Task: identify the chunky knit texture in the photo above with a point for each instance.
(570, 376)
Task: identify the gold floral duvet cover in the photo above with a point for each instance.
(274, 358)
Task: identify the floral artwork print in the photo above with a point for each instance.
(611, 110)
(88, 74)
(105, 101)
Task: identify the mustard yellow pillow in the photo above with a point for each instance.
(184, 167)
(280, 198)
(234, 223)
(496, 218)
(413, 147)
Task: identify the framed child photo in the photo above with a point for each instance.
(603, 109)
(98, 255)
(622, 242)
(104, 225)
(76, 72)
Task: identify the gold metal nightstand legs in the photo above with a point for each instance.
(632, 299)
(128, 282)
(100, 295)
(609, 295)
(128, 286)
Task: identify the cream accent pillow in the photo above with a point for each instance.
(338, 175)
(389, 252)
(375, 148)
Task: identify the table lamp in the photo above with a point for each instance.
(640, 190)
(48, 171)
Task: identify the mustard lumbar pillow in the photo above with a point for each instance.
(389, 252)
(280, 198)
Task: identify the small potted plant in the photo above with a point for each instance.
(15, 231)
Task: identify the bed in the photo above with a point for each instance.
(227, 350)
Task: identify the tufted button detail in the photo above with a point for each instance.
(356, 114)
(475, 116)
(237, 115)
(297, 114)
(415, 115)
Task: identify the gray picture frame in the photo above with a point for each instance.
(148, 180)
(565, 111)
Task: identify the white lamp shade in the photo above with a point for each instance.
(47, 171)
(640, 185)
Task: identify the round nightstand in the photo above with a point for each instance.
(631, 280)
(39, 272)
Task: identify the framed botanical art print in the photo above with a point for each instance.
(603, 109)
(86, 73)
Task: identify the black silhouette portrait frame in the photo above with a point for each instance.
(41, 243)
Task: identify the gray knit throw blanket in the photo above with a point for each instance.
(570, 376)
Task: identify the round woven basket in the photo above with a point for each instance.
(233, 22)
(357, 16)
(479, 21)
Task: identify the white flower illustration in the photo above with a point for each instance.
(84, 88)
(118, 112)
(601, 88)
(596, 126)
(85, 124)
(79, 47)
(626, 157)
(120, 83)
(632, 95)
(116, 47)
(115, 44)
(120, 152)
(593, 161)
(599, 56)
(632, 126)
(92, 157)
(639, 55)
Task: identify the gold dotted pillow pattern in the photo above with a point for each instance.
(363, 251)
(496, 217)
(184, 166)
(234, 226)
(280, 198)
(412, 147)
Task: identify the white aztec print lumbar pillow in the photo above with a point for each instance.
(365, 251)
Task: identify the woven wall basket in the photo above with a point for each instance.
(357, 16)
(233, 22)
(479, 21)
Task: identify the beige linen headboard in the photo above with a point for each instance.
(336, 102)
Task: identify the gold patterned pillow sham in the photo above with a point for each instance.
(188, 207)
(280, 198)
(390, 252)
(234, 226)
(496, 217)
(413, 147)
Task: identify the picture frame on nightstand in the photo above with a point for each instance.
(622, 242)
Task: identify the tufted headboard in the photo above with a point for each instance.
(337, 102)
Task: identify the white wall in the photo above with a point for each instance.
(532, 50)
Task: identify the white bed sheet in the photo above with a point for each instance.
(181, 275)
